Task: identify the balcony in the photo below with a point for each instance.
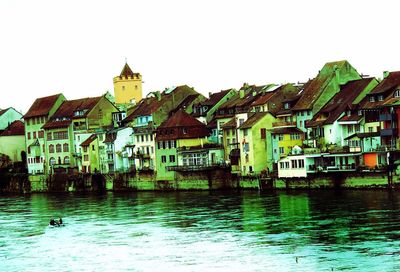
(388, 132)
(387, 117)
(191, 168)
(283, 124)
(381, 148)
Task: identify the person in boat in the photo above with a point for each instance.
(60, 221)
(53, 222)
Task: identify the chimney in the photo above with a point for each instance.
(385, 74)
(241, 93)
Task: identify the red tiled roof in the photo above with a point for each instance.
(230, 124)
(127, 71)
(68, 107)
(15, 128)
(42, 106)
(341, 101)
(215, 98)
(390, 82)
(181, 126)
(286, 130)
(89, 140)
(57, 124)
(353, 117)
(263, 99)
(253, 120)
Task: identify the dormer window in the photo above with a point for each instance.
(286, 106)
(397, 93)
(371, 99)
(79, 112)
(348, 113)
(360, 112)
(380, 97)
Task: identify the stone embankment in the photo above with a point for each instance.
(207, 180)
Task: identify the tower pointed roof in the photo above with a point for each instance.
(126, 71)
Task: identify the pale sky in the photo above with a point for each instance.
(77, 47)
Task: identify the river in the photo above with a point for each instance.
(202, 231)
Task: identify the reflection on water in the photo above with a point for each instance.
(202, 231)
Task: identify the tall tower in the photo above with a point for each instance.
(127, 86)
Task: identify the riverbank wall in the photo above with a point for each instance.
(207, 180)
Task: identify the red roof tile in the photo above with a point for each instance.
(253, 120)
(181, 126)
(387, 84)
(57, 124)
(42, 106)
(89, 140)
(15, 128)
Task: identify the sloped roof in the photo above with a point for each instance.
(387, 84)
(176, 123)
(342, 100)
(286, 130)
(89, 140)
(15, 128)
(215, 98)
(57, 124)
(314, 88)
(3, 111)
(151, 104)
(363, 135)
(127, 71)
(42, 106)
(68, 107)
(252, 120)
(263, 99)
(230, 124)
(350, 118)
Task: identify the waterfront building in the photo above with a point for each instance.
(181, 142)
(204, 111)
(74, 117)
(38, 114)
(149, 114)
(127, 87)
(318, 91)
(90, 155)
(7, 116)
(12, 142)
(117, 157)
(255, 149)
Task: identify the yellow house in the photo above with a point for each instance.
(254, 139)
(90, 152)
(284, 139)
(128, 87)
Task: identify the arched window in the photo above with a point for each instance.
(65, 148)
(51, 148)
(52, 161)
(66, 160)
(58, 148)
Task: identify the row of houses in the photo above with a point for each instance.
(338, 121)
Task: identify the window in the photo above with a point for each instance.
(294, 164)
(52, 161)
(241, 121)
(245, 132)
(360, 112)
(371, 99)
(246, 147)
(287, 164)
(58, 148)
(286, 106)
(66, 160)
(51, 148)
(34, 135)
(28, 122)
(397, 93)
(86, 157)
(295, 136)
(163, 159)
(263, 133)
(41, 134)
(142, 138)
(350, 129)
(281, 150)
(195, 159)
(123, 88)
(280, 137)
(184, 131)
(158, 145)
(34, 121)
(171, 158)
(85, 149)
(380, 97)
(28, 135)
(282, 165)
(370, 129)
(29, 150)
(228, 132)
(172, 144)
(301, 163)
(301, 123)
(65, 148)
(250, 168)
